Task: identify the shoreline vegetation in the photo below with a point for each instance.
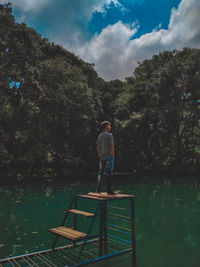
(136, 176)
(51, 103)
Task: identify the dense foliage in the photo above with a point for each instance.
(51, 103)
(159, 112)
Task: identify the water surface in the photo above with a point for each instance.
(167, 215)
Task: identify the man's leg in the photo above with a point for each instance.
(100, 176)
(108, 172)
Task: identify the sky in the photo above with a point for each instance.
(114, 34)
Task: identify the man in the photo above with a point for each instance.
(105, 149)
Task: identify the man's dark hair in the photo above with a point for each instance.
(104, 124)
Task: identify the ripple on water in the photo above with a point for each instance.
(198, 196)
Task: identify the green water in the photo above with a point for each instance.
(167, 215)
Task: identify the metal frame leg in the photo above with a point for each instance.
(88, 233)
(75, 215)
(101, 229)
(133, 231)
(105, 226)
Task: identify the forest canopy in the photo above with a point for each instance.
(51, 103)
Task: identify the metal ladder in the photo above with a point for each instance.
(71, 233)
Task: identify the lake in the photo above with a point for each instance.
(167, 212)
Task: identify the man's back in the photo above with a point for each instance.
(104, 143)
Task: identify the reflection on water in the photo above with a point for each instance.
(167, 219)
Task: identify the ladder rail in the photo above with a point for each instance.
(63, 223)
(90, 227)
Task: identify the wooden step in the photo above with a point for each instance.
(67, 233)
(84, 213)
(105, 196)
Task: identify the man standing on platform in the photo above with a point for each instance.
(105, 149)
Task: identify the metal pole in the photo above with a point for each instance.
(133, 231)
(90, 227)
(105, 227)
(101, 228)
(75, 215)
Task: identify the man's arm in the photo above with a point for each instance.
(112, 150)
(98, 144)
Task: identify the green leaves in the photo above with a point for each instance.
(163, 93)
(49, 117)
(52, 110)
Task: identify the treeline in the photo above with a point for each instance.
(51, 103)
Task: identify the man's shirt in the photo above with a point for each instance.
(104, 143)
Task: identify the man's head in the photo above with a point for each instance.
(105, 126)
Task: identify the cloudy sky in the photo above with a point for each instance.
(114, 34)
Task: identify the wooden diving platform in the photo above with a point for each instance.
(105, 196)
(110, 232)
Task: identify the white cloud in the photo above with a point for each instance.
(184, 26)
(103, 6)
(35, 5)
(115, 52)
(28, 5)
(108, 49)
(116, 3)
(64, 21)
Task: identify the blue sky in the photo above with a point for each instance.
(149, 15)
(114, 34)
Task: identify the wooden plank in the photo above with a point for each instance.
(61, 233)
(84, 213)
(71, 231)
(67, 233)
(91, 197)
(101, 195)
(107, 196)
(64, 233)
